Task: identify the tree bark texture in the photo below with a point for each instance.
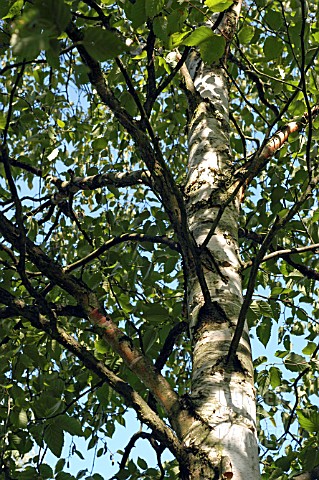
(223, 394)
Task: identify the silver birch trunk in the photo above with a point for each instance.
(223, 395)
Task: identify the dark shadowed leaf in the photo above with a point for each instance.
(102, 44)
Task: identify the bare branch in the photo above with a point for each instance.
(306, 271)
(258, 162)
(166, 81)
(131, 444)
(116, 179)
(245, 99)
(144, 118)
(151, 77)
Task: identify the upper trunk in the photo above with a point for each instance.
(223, 395)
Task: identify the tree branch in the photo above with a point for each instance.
(17, 163)
(151, 81)
(131, 443)
(312, 475)
(160, 431)
(306, 271)
(252, 75)
(279, 223)
(144, 118)
(166, 81)
(125, 237)
(169, 344)
(295, 387)
(119, 342)
(252, 168)
(163, 181)
(287, 252)
(284, 253)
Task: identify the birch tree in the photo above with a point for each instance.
(159, 210)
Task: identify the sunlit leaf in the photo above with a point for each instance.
(218, 5)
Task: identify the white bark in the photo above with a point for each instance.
(223, 395)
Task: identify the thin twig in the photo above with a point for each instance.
(284, 252)
(126, 237)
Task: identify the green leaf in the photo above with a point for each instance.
(39, 29)
(273, 18)
(284, 463)
(218, 5)
(309, 348)
(175, 20)
(212, 51)
(71, 425)
(211, 46)
(264, 331)
(282, 213)
(102, 44)
(45, 471)
(156, 313)
(260, 360)
(246, 34)
(295, 362)
(310, 457)
(59, 465)
(198, 36)
(47, 405)
(273, 48)
(64, 476)
(104, 395)
(309, 420)
(129, 103)
(100, 346)
(281, 353)
(55, 12)
(170, 264)
(154, 7)
(14, 10)
(54, 437)
(280, 291)
(136, 12)
(275, 377)
(141, 463)
(176, 39)
(29, 473)
(99, 143)
(23, 419)
(265, 309)
(149, 337)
